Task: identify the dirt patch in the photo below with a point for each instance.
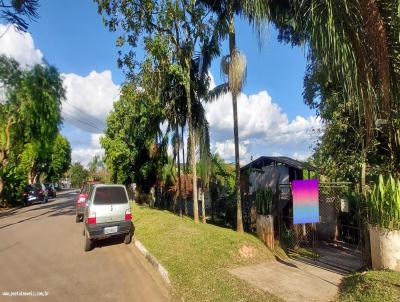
(247, 251)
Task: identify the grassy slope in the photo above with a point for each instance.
(371, 286)
(197, 256)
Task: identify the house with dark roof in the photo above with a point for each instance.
(272, 171)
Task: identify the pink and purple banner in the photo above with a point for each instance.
(305, 201)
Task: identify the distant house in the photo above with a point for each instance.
(277, 173)
(272, 171)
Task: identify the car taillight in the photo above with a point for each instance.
(40, 191)
(91, 218)
(128, 215)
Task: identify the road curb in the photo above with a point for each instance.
(153, 261)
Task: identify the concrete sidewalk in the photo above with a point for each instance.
(292, 280)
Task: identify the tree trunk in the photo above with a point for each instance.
(380, 59)
(203, 207)
(1, 190)
(239, 220)
(179, 172)
(30, 177)
(4, 152)
(192, 149)
(184, 172)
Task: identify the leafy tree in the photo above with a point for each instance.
(40, 96)
(19, 12)
(135, 149)
(78, 174)
(95, 166)
(60, 159)
(234, 67)
(30, 114)
(184, 25)
(222, 183)
(353, 62)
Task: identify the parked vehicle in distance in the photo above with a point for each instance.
(35, 193)
(80, 202)
(108, 213)
(51, 190)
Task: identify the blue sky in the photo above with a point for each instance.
(71, 36)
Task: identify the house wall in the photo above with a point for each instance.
(270, 177)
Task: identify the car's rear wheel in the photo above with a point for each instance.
(128, 238)
(88, 244)
(77, 218)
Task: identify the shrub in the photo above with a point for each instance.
(264, 198)
(384, 203)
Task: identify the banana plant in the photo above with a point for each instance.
(384, 203)
(264, 197)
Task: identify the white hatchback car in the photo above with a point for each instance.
(108, 213)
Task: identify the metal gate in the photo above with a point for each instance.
(336, 241)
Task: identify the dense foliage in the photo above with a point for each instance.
(30, 114)
(172, 33)
(135, 149)
(352, 79)
(264, 197)
(78, 174)
(384, 203)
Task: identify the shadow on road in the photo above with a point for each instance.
(115, 240)
(66, 207)
(23, 220)
(52, 209)
(9, 212)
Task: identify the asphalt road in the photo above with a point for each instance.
(41, 252)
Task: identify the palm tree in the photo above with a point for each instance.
(177, 113)
(234, 66)
(357, 45)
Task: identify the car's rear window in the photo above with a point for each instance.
(110, 195)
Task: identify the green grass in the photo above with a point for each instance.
(371, 286)
(197, 256)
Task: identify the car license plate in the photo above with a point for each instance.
(110, 230)
(31, 197)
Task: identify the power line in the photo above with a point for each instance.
(85, 113)
(70, 116)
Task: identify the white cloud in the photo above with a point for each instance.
(226, 149)
(85, 154)
(258, 117)
(263, 128)
(89, 99)
(301, 157)
(19, 46)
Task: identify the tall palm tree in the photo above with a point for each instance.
(234, 66)
(172, 94)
